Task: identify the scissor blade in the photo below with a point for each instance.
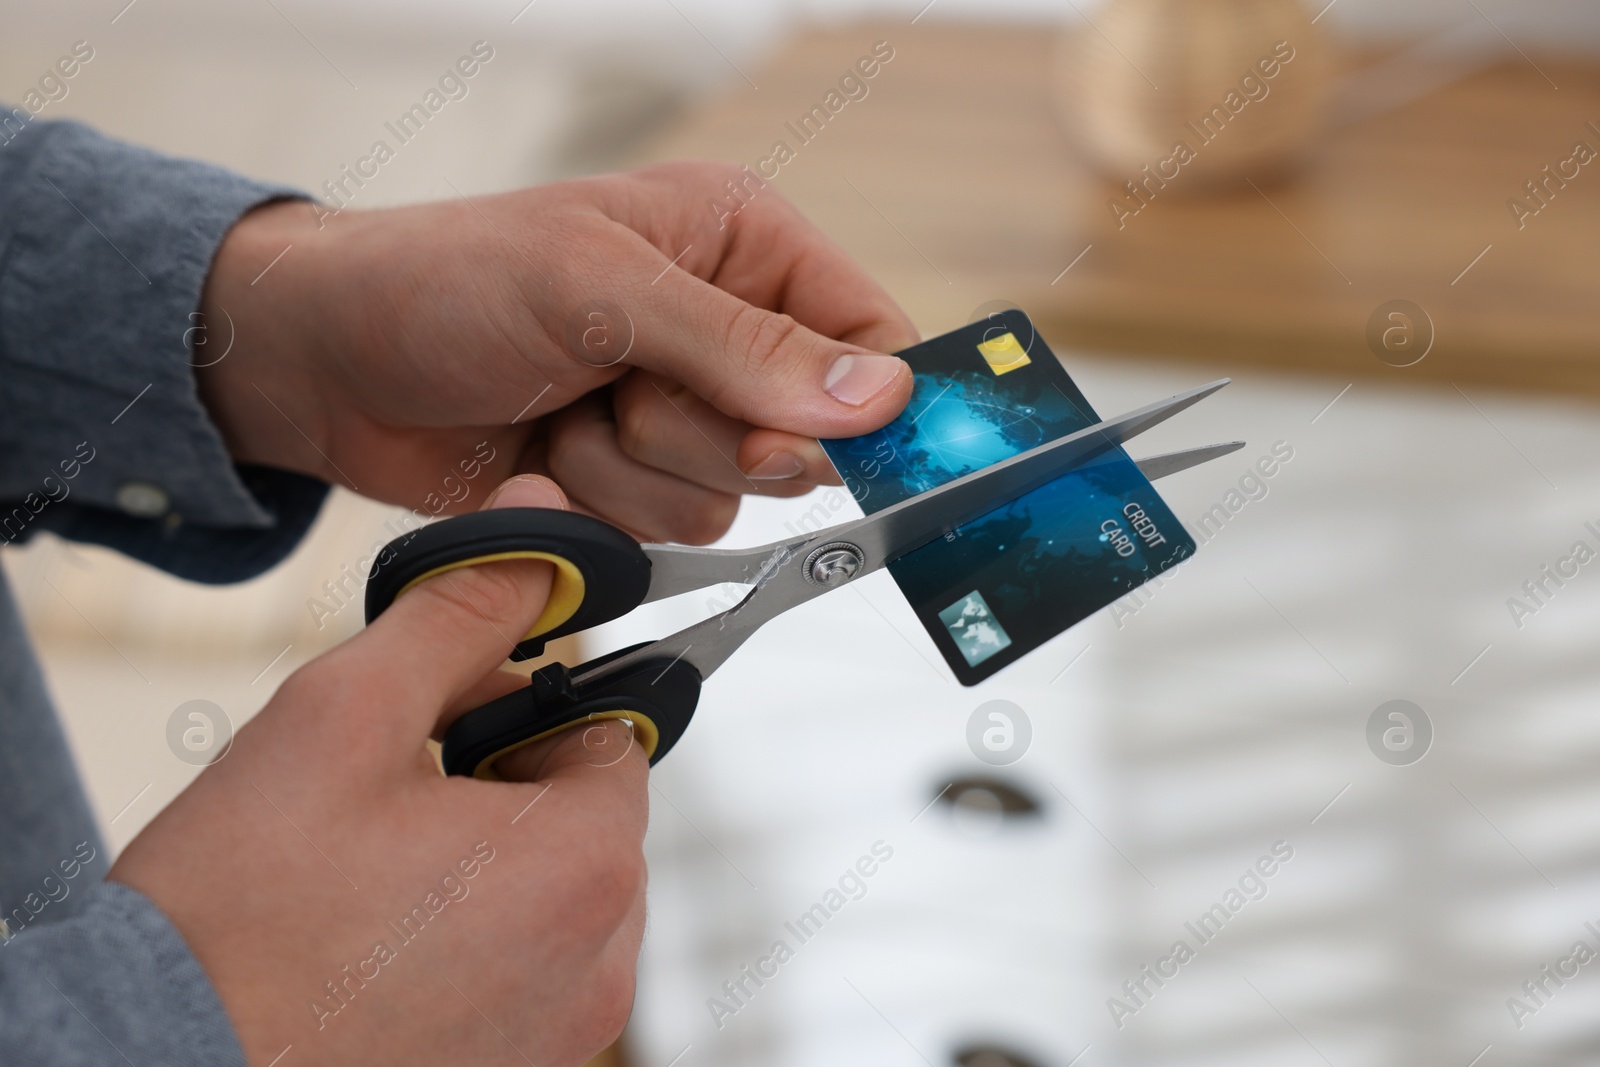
(679, 569)
(910, 524)
(1167, 463)
(778, 570)
(676, 569)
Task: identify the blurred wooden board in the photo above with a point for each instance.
(955, 183)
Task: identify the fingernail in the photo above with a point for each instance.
(856, 378)
(776, 466)
(527, 491)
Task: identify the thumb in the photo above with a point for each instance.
(445, 634)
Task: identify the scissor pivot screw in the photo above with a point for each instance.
(834, 564)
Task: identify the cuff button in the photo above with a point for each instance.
(143, 500)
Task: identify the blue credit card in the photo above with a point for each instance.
(1004, 584)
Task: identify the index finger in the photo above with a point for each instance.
(576, 752)
(770, 255)
(778, 259)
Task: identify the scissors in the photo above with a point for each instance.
(603, 574)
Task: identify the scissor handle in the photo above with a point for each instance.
(601, 573)
(657, 697)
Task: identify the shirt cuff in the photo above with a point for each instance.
(104, 256)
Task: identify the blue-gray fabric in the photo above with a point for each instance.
(104, 249)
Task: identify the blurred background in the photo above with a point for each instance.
(1389, 243)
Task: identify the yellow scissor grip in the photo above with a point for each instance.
(644, 729)
(566, 593)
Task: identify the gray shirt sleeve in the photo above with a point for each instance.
(104, 248)
(113, 985)
(90, 972)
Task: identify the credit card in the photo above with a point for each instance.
(1004, 584)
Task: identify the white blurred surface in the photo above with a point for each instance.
(1206, 728)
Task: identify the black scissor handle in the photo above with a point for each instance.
(657, 697)
(601, 573)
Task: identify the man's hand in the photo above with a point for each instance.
(383, 346)
(348, 900)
